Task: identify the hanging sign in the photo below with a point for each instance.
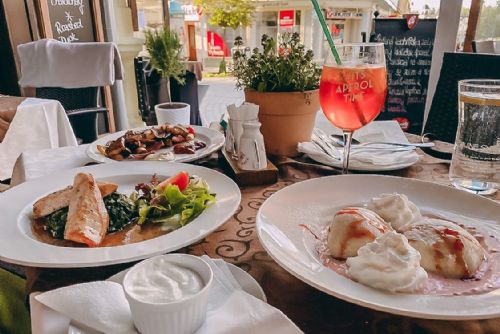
(411, 20)
(287, 19)
(70, 21)
(216, 45)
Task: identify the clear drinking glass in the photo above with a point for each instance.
(475, 165)
(352, 94)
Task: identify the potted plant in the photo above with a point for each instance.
(164, 50)
(284, 82)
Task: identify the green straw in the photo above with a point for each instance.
(326, 31)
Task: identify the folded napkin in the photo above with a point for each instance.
(99, 305)
(359, 156)
(102, 306)
(50, 63)
(245, 112)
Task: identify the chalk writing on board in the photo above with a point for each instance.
(71, 20)
(408, 61)
(68, 26)
(77, 3)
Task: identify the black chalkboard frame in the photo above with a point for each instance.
(414, 114)
(46, 25)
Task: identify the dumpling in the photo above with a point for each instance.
(352, 228)
(395, 209)
(445, 247)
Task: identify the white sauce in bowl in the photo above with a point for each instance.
(161, 281)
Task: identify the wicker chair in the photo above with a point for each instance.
(147, 83)
(82, 108)
(442, 121)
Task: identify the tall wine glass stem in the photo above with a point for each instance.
(347, 151)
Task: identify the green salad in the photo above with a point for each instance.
(172, 206)
(172, 203)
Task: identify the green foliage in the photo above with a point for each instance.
(489, 22)
(164, 48)
(289, 69)
(228, 13)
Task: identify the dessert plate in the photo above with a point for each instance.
(18, 245)
(212, 138)
(314, 202)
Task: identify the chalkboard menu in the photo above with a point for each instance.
(71, 20)
(408, 56)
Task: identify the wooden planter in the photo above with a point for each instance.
(287, 118)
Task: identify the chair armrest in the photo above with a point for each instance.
(81, 111)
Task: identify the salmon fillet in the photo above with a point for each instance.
(60, 199)
(88, 219)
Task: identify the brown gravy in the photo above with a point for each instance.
(132, 233)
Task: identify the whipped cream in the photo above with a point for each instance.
(162, 281)
(395, 209)
(388, 263)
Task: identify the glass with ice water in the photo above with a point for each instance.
(475, 165)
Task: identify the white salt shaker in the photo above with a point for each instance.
(251, 153)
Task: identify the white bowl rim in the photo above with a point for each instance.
(188, 299)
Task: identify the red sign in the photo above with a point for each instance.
(411, 20)
(216, 45)
(404, 123)
(287, 19)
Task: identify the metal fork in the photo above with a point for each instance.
(326, 148)
(334, 144)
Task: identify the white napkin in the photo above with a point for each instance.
(50, 63)
(232, 310)
(358, 156)
(102, 306)
(245, 112)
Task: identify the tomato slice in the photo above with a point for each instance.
(181, 180)
(190, 130)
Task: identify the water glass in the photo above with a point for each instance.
(475, 166)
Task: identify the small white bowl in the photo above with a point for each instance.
(183, 316)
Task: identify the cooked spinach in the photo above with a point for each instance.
(121, 211)
(56, 222)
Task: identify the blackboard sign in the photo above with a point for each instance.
(71, 20)
(408, 55)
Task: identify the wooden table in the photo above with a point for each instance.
(313, 311)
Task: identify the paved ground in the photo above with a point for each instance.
(220, 93)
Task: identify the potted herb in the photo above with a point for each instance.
(283, 80)
(164, 49)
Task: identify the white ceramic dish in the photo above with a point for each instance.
(315, 201)
(17, 244)
(212, 138)
(386, 131)
(45, 320)
(185, 315)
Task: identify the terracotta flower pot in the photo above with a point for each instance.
(287, 118)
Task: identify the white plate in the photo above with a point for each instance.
(315, 201)
(386, 131)
(17, 244)
(214, 140)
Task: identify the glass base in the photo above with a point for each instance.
(475, 187)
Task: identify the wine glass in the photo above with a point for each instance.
(353, 92)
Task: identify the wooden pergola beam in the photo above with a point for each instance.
(470, 34)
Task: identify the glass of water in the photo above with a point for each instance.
(475, 165)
